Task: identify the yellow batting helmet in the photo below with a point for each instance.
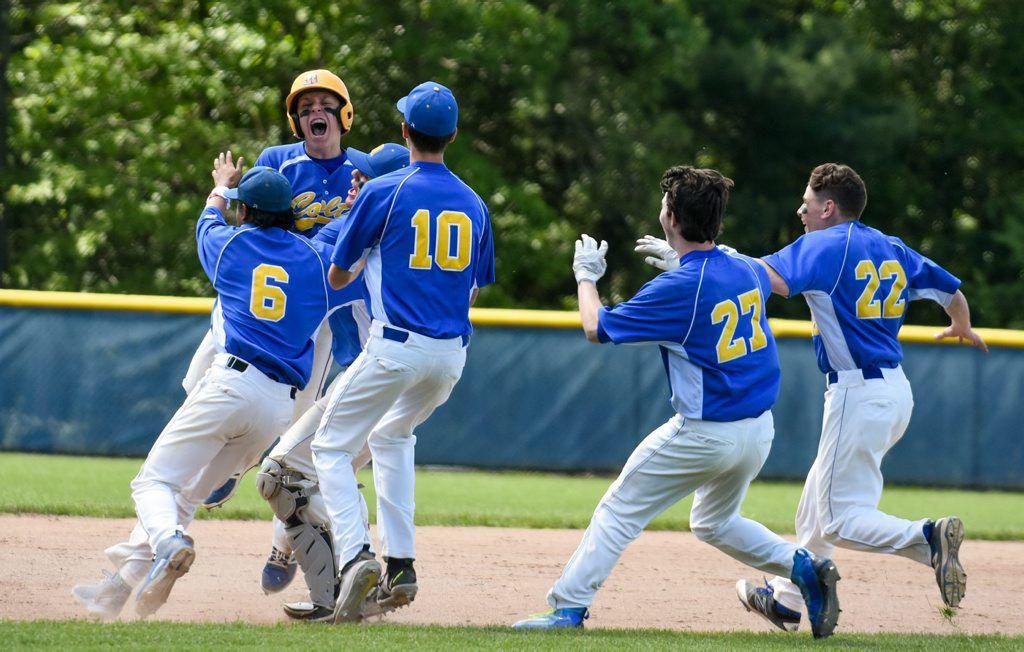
(319, 80)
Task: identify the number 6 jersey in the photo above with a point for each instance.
(272, 294)
(857, 282)
(427, 240)
(708, 316)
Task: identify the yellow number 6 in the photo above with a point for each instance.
(268, 301)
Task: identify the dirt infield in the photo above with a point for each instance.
(492, 576)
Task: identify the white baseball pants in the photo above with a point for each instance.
(839, 507)
(294, 451)
(718, 461)
(389, 390)
(227, 421)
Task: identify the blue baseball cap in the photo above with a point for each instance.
(263, 188)
(430, 109)
(382, 159)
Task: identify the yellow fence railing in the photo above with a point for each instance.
(479, 316)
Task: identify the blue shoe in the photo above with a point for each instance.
(944, 538)
(817, 582)
(174, 556)
(278, 572)
(556, 619)
(223, 493)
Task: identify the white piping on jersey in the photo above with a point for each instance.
(216, 268)
(696, 297)
(938, 296)
(387, 218)
(849, 234)
(824, 315)
(293, 160)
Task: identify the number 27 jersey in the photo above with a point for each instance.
(857, 282)
(427, 240)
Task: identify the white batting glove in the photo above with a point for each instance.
(726, 248)
(661, 255)
(588, 262)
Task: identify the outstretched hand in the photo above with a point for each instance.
(588, 263)
(659, 253)
(225, 171)
(963, 334)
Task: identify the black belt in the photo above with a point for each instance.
(400, 336)
(241, 365)
(869, 373)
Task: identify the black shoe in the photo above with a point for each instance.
(398, 588)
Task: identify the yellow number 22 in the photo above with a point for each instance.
(868, 307)
(268, 301)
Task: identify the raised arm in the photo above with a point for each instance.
(778, 284)
(588, 265)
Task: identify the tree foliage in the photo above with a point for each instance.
(571, 109)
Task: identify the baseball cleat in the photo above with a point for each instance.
(357, 578)
(817, 582)
(279, 571)
(105, 599)
(396, 589)
(761, 600)
(223, 493)
(946, 536)
(567, 618)
(174, 556)
(308, 611)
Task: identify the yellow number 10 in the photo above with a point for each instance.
(728, 311)
(268, 301)
(446, 260)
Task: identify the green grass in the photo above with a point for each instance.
(151, 635)
(89, 486)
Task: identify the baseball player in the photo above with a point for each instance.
(320, 114)
(857, 282)
(708, 317)
(272, 298)
(425, 238)
(287, 478)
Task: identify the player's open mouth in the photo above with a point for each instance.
(318, 126)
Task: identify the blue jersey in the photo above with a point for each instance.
(272, 294)
(318, 199)
(349, 324)
(857, 282)
(708, 316)
(426, 237)
(318, 195)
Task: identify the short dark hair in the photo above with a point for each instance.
(841, 184)
(262, 219)
(429, 144)
(697, 198)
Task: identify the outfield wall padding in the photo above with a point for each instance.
(104, 382)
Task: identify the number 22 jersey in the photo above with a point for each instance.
(857, 282)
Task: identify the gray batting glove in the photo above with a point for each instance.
(661, 255)
(588, 262)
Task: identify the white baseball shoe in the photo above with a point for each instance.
(105, 599)
(174, 556)
(358, 578)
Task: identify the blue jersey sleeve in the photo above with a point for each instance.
(212, 233)
(925, 279)
(485, 253)
(806, 264)
(363, 227)
(662, 311)
(329, 233)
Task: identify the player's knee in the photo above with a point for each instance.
(706, 533)
(389, 437)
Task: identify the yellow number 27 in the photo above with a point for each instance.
(729, 311)
(268, 301)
